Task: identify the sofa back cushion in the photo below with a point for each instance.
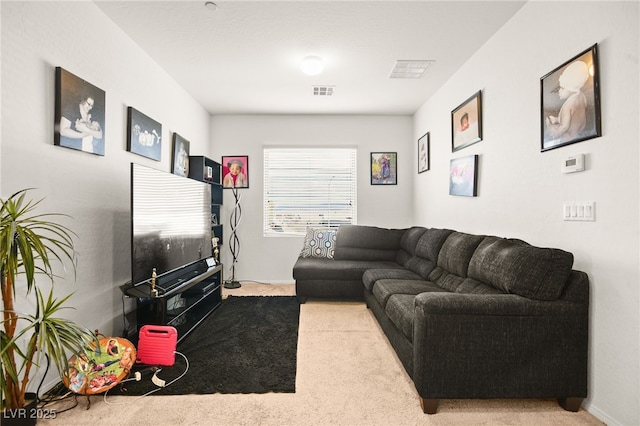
(359, 242)
(514, 266)
(456, 252)
(408, 244)
(427, 250)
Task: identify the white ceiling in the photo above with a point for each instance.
(244, 57)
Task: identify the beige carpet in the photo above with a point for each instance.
(347, 374)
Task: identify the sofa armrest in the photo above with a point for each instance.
(496, 346)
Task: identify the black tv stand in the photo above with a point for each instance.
(184, 298)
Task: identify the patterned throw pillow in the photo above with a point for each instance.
(319, 242)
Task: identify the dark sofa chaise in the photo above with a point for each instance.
(469, 316)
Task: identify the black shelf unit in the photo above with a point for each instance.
(184, 306)
(206, 170)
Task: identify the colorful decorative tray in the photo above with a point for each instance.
(101, 369)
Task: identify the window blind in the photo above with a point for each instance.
(308, 187)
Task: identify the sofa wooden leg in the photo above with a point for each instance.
(571, 404)
(429, 406)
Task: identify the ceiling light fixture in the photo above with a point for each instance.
(211, 5)
(312, 65)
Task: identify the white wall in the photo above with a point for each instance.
(271, 259)
(94, 190)
(521, 190)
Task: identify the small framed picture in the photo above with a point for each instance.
(384, 168)
(570, 101)
(423, 153)
(463, 176)
(180, 163)
(144, 135)
(79, 114)
(235, 171)
(466, 123)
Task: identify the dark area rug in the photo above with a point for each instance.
(248, 345)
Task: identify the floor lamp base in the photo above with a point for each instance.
(232, 284)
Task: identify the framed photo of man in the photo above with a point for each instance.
(79, 114)
(466, 123)
(570, 101)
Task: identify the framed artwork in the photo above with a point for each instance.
(180, 162)
(144, 135)
(423, 153)
(79, 114)
(235, 171)
(570, 101)
(466, 123)
(384, 168)
(463, 176)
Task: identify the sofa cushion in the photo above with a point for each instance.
(359, 242)
(456, 252)
(319, 242)
(400, 310)
(371, 276)
(426, 252)
(514, 266)
(408, 244)
(314, 268)
(456, 284)
(384, 289)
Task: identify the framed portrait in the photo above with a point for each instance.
(466, 123)
(463, 176)
(570, 101)
(79, 114)
(235, 171)
(144, 135)
(423, 153)
(180, 161)
(384, 168)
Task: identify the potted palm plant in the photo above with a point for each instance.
(30, 244)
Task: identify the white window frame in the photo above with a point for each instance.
(316, 185)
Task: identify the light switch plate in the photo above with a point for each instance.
(582, 211)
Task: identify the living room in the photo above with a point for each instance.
(521, 190)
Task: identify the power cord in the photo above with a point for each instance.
(155, 379)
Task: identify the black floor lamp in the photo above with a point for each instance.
(234, 241)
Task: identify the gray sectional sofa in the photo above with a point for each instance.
(469, 316)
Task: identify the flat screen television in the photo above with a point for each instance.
(170, 223)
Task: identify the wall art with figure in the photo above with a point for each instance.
(384, 168)
(235, 171)
(570, 101)
(180, 162)
(79, 114)
(144, 135)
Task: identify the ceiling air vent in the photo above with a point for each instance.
(323, 90)
(409, 69)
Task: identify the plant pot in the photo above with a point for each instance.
(25, 416)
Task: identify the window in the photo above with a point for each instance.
(308, 187)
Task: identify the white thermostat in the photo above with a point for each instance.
(573, 164)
